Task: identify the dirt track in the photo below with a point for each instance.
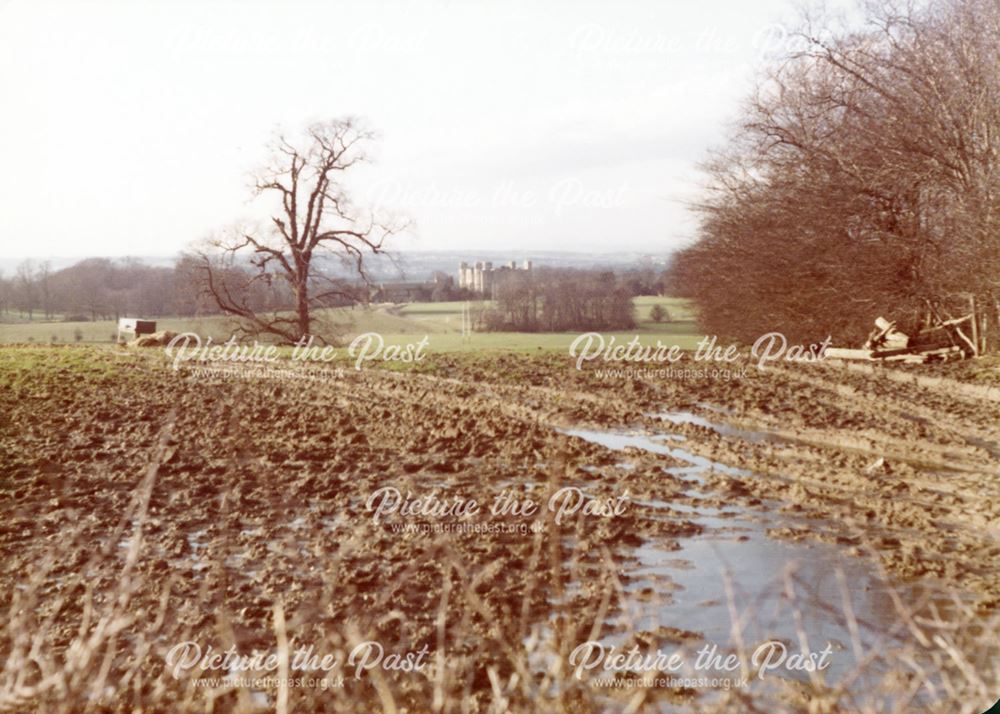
(261, 494)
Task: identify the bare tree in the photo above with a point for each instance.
(274, 279)
(27, 287)
(5, 294)
(86, 286)
(864, 178)
(44, 276)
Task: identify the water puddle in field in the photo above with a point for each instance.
(751, 435)
(619, 441)
(777, 588)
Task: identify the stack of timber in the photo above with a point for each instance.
(888, 344)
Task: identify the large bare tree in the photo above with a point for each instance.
(275, 277)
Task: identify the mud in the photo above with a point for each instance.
(260, 496)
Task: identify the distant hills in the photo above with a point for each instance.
(422, 264)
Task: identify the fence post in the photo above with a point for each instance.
(975, 325)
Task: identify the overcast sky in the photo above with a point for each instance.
(131, 127)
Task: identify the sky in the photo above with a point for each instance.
(131, 128)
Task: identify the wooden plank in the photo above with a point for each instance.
(846, 353)
(946, 323)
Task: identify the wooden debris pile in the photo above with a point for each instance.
(941, 339)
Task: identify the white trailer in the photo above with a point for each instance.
(130, 328)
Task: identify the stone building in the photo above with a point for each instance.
(481, 277)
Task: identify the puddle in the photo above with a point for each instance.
(196, 539)
(751, 435)
(619, 441)
(686, 588)
(756, 567)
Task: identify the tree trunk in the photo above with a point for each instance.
(302, 310)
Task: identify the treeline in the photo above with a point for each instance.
(863, 180)
(557, 300)
(100, 289)
(104, 289)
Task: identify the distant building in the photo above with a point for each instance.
(482, 276)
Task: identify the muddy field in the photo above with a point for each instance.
(145, 507)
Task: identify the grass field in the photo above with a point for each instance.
(441, 322)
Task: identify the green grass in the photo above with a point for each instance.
(433, 308)
(441, 322)
(102, 330)
(37, 367)
(22, 316)
(679, 309)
